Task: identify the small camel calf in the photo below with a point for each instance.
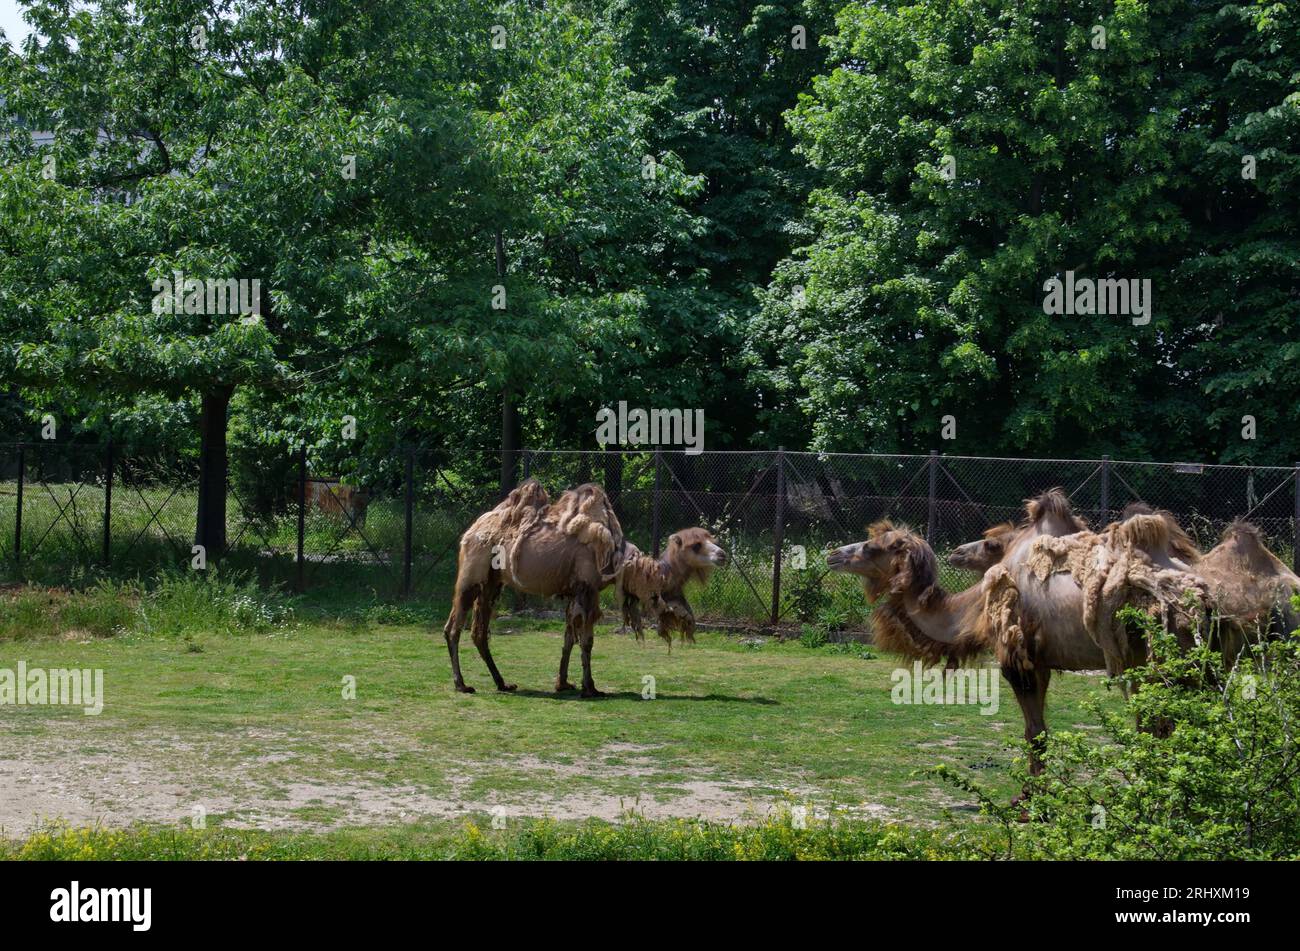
(659, 584)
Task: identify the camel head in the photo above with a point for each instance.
(984, 554)
(695, 553)
(891, 561)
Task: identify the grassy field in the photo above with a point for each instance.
(227, 704)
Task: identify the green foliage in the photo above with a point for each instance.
(812, 636)
(776, 839)
(101, 610)
(1221, 785)
(173, 604)
(923, 296)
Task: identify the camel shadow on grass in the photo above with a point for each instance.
(573, 695)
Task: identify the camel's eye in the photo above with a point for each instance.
(695, 547)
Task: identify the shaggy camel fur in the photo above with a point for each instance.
(1053, 610)
(569, 549)
(658, 584)
(1048, 514)
(1252, 589)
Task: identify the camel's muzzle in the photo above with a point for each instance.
(839, 559)
(718, 557)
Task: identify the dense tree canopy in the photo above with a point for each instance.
(826, 223)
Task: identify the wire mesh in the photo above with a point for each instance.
(391, 527)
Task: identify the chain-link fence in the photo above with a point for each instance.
(391, 529)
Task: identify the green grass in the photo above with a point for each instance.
(208, 704)
(778, 839)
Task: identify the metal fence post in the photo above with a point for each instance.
(302, 513)
(1295, 525)
(654, 519)
(108, 502)
(934, 484)
(410, 523)
(778, 534)
(18, 512)
(1105, 491)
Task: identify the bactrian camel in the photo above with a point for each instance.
(658, 584)
(1053, 609)
(1049, 514)
(570, 549)
(567, 549)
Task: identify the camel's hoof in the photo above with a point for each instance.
(461, 688)
(507, 688)
(590, 692)
(565, 687)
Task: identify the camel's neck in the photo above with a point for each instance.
(942, 618)
(673, 575)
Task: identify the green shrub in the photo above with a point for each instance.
(102, 610)
(1222, 784)
(812, 636)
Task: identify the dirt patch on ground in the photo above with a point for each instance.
(254, 779)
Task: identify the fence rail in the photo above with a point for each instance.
(391, 527)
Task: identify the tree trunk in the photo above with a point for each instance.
(511, 437)
(211, 526)
(511, 431)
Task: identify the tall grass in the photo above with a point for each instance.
(781, 838)
(171, 604)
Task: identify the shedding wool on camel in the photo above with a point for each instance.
(584, 514)
(1112, 569)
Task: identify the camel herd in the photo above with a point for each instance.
(1049, 598)
(1052, 590)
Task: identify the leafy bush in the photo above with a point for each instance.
(1224, 783)
(175, 603)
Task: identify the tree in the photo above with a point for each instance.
(973, 151)
(359, 166)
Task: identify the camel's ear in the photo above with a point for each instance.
(676, 541)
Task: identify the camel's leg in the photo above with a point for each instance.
(1030, 688)
(585, 600)
(487, 600)
(570, 638)
(461, 601)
